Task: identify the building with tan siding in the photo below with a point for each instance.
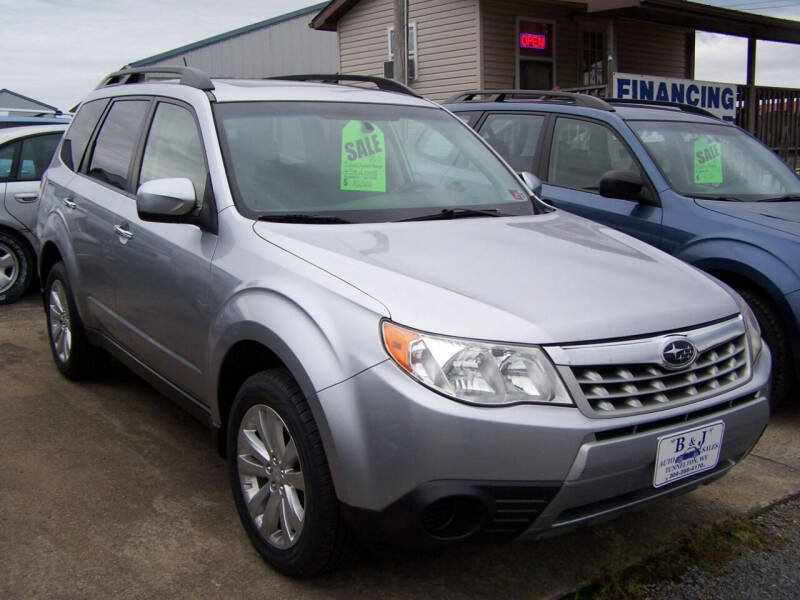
(456, 45)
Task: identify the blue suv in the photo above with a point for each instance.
(672, 175)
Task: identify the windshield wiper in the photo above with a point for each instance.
(302, 218)
(458, 213)
(786, 198)
(719, 198)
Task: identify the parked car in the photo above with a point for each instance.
(673, 176)
(25, 152)
(380, 346)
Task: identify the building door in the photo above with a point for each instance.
(535, 75)
(535, 54)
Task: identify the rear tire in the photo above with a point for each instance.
(774, 333)
(68, 344)
(280, 477)
(16, 267)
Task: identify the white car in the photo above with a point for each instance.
(25, 153)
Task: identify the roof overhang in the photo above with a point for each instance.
(701, 17)
(329, 16)
(679, 13)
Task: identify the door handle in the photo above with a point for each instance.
(67, 201)
(27, 196)
(123, 233)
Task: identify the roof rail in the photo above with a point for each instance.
(188, 76)
(389, 85)
(506, 95)
(682, 107)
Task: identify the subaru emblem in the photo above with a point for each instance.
(677, 353)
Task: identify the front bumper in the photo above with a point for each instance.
(411, 465)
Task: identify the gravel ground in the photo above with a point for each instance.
(769, 575)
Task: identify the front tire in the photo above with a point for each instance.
(280, 478)
(68, 344)
(16, 267)
(774, 334)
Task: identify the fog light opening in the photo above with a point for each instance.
(453, 517)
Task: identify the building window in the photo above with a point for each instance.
(592, 55)
(411, 48)
(535, 51)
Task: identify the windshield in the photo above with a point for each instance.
(715, 161)
(348, 162)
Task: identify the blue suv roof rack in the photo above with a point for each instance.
(661, 103)
(510, 95)
(188, 76)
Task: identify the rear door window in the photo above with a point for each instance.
(36, 155)
(116, 142)
(7, 159)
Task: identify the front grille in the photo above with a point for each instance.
(609, 388)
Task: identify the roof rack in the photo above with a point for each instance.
(682, 107)
(188, 76)
(389, 85)
(507, 95)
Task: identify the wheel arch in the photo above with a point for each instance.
(48, 256)
(7, 229)
(246, 357)
(738, 274)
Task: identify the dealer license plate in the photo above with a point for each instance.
(687, 453)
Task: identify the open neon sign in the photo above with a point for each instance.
(533, 41)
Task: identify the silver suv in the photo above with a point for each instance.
(388, 333)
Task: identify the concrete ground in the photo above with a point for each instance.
(108, 490)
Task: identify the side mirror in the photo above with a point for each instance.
(165, 200)
(532, 182)
(626, 185)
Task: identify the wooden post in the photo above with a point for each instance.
(611, 56)
(400, 40)
(751, 85)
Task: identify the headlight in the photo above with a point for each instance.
(752, 328)
(476, 372)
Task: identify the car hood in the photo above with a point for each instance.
(551, 278)
(783, 216)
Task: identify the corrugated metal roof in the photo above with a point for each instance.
(227, 35)
(27, 99)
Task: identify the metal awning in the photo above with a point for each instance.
(701, 17)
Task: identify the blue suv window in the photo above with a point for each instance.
(515, 137)
(583, 151)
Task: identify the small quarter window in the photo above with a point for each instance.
(174, 149)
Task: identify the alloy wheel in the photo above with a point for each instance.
(271, 476)
(9, 268)
(60, 327)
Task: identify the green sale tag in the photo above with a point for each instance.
(707, 160)
(363, 158)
